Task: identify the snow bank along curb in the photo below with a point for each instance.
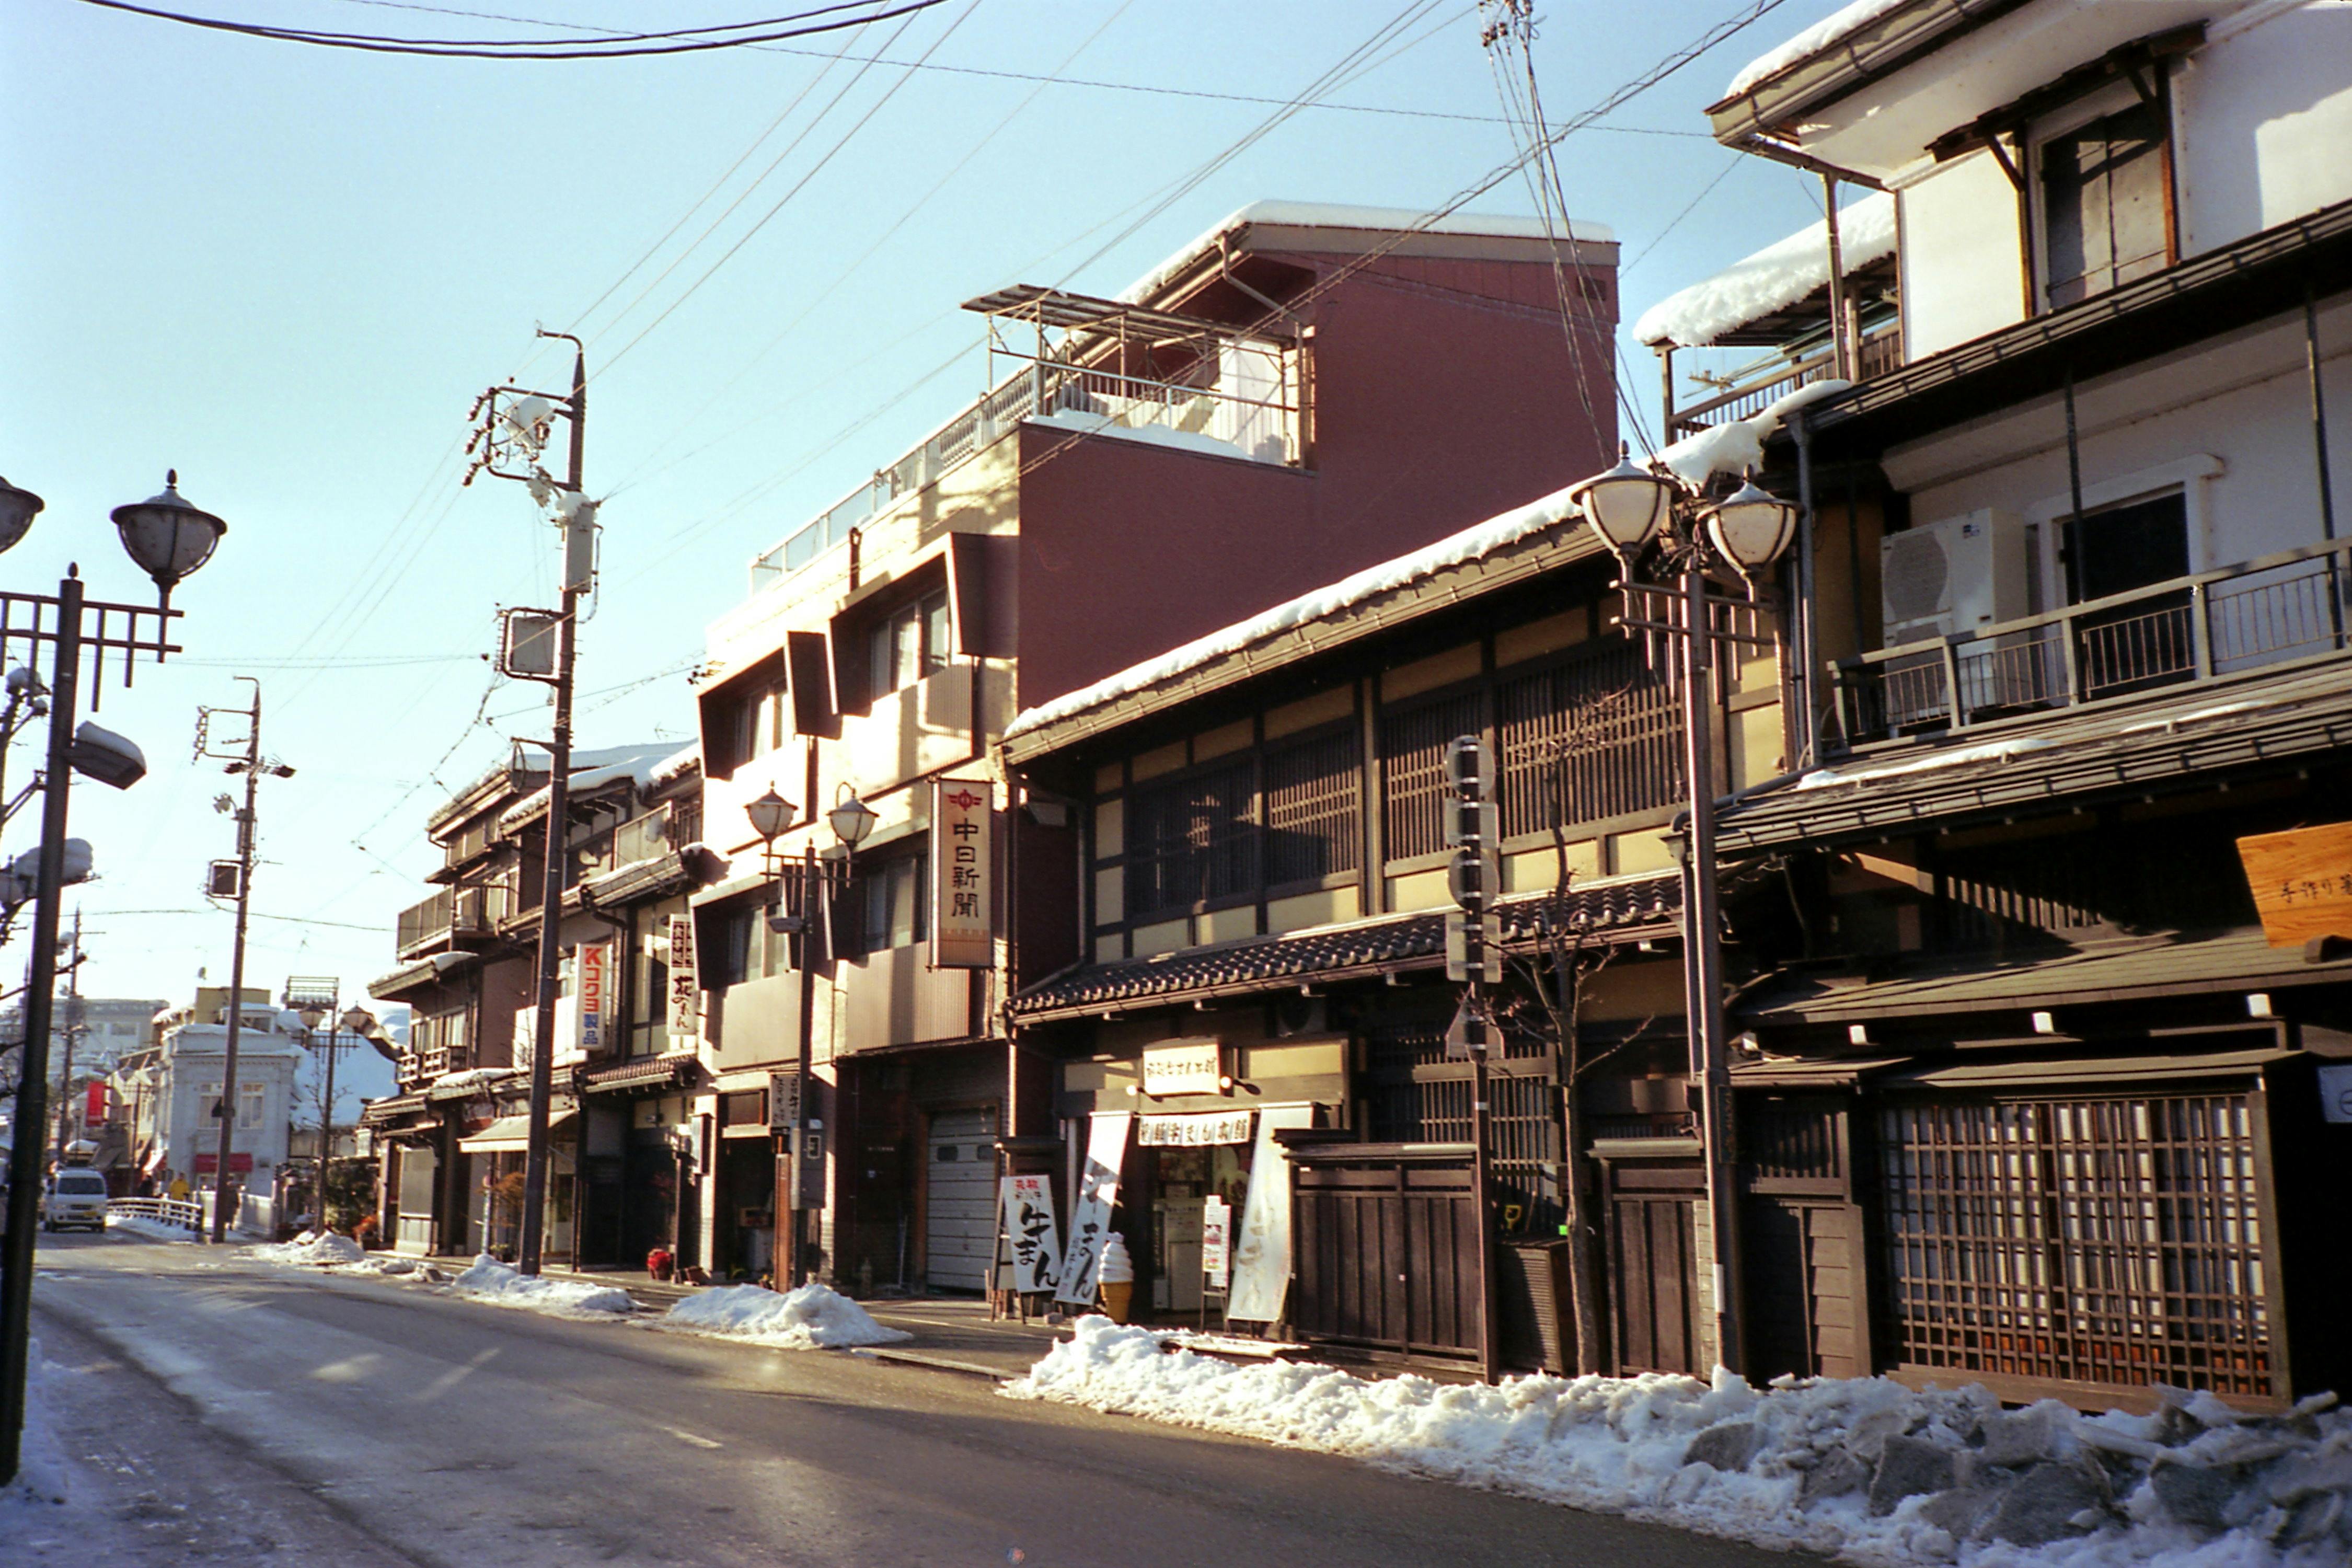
(152, 1229)
(1865, 1468)
(811, 1317)
(310, 1249)
(503, 1285)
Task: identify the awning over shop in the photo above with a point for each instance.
(376, 1112)
(2135, 970)
(1832, 1072)
(649, 1072)
(2094, 1069)
(509, 1134)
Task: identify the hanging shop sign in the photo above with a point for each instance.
(95, 1104)
(592, 960)
(1091, 1215)
(961, 895)
(1027, 1203)
(2302, 882)
(685, 984)
(1216, 1242)
(1184, 1067)
(1194, 1131)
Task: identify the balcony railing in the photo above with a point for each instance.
(1267, 429)
(2273, 610)
(453, 914)
(1879, 352)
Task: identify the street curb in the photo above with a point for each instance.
(937, 1362)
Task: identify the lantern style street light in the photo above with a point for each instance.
(850, 820)
(1651, 517)
(167, 539)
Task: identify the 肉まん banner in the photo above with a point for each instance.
(685, 985)
(961, 814)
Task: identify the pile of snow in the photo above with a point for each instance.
(40, 1482)
(503, 1285)
(312, 1249)
(1831, 29)
(1086, 423)
(1864, 1467)
(811, 1317)
(1772, 278)
(152, 1229)
(1992, 751)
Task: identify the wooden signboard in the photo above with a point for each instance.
(2302, 882)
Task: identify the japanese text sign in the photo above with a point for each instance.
(2302, 882)
(685, 985)
(1090, 1217)
(592, 961)
(1183, 1066)
(1029, 1228)
(1216, 1241)
(963, 814)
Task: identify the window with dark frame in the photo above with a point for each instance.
(909, 643)
(1313, 795)
(1589, 739)
(892, 900)
(1192, 841)
(1413, 739)
(2106, 209)
(746, 721)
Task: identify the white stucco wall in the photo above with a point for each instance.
(1963, 261)
(2264, 122)
(2242, 400)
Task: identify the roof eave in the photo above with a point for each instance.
(1872, 52)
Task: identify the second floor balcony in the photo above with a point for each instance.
(453, 917)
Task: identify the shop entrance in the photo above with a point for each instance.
(747, 1197)
(959, 1207)
(1179, 1181)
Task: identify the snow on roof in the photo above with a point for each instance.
(1469, 544)
(1330, 214)
(1829, 30)
(1772, 278)
(1738, 445)
(676, 766)
(592, 770)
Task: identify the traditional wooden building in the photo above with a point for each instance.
(1302, 391)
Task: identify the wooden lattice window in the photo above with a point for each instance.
(1412, 770)
(2106, 1241)
(1192, 842)
(1596, 738)
(1313, 791)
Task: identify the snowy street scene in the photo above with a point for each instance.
(1438, 784)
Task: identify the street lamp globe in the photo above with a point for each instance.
(852, 820)
(17, 509)
(1750, 528)
(769, 814)
(313, 1014)
(166, 537)
(357, 1021)
(1626, 506)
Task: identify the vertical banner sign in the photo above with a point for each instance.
(94, 1109)
(592, 963)
(1262, 1261)
(1027, 1203)
(1091, 1215)
(684, 984)
(1216, 1242)
(961, 814)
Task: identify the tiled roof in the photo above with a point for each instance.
(2210, 728)
(635, 1074)
(1626, 905)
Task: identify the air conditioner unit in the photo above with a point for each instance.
(1959, 574)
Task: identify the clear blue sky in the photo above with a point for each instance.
(288, 271)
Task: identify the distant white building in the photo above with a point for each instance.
(180, 1087)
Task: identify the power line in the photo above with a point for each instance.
(1145, 89)
(517, 49)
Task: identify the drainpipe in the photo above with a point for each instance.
(1808, 648)
(2319, 452)
(1841, 346)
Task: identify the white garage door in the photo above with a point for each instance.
(960, 1220)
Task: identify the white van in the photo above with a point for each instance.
(74, 1196)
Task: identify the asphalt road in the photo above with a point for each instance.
(236, 1412)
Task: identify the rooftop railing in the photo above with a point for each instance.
(1880, 351)
(2274, 610)
(1261, 429)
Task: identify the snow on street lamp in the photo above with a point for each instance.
(168, 539)
(1652, 515)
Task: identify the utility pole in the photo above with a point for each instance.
(71, 1033)
(250, 763)
(520, 426)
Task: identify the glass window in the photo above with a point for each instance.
(915, 640)
(892, 903)
(250, 1099)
